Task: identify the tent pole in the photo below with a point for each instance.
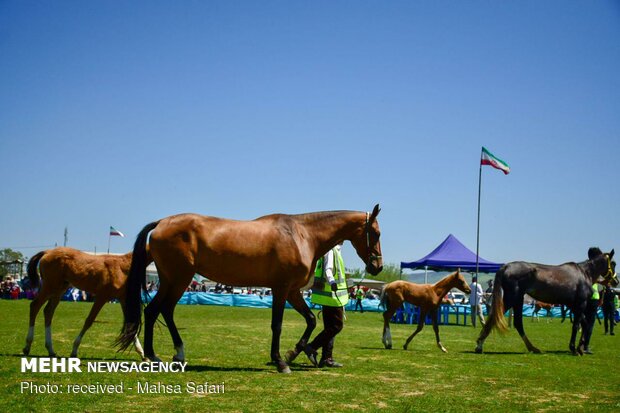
(426, 274)
(478, 226)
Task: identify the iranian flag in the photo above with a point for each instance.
(115, 232)
(489, 159)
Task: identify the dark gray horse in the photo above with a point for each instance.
(569, 284)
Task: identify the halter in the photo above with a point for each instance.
(370, 256)
(610, 275)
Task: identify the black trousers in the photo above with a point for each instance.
(333, 321)
(608, 314)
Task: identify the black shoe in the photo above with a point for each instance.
(329, 362)
(311, 353)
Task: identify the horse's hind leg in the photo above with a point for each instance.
(49, 315)
(518, 311)
(167, 311)
(35, 306)
(296, 299)
(436, 328)
(484, 333)
(387, 316)
(99, 303)
(421, 321)
(151, 312)
(493, 319)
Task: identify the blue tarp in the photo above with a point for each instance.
(254, 301)
(450, 255)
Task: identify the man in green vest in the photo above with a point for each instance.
(589, 315)
(330, 291)
(359, 296)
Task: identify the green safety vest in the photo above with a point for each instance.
(321, 290)
(595, 293)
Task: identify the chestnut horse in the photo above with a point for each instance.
(427, 296)
(541, 305)
(277, 251)
(103, 275)
(569, 284)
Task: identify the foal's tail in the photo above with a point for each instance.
(384, 299)
(135, 282)
(496, 317)
(33, 274)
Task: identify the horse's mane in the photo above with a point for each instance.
(323, 215)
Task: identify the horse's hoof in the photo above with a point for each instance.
(405, 347)
(175, 358)
(73, 354)
(388, 346)
(54, 355)
(153, 359)
(536, 351)
(283, 368)
(26, 351)
(478, 350)
(290, 356)
(444, 349)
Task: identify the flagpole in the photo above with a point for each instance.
(109, 238)
(478, 226)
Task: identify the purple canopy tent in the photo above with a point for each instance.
(450, 255)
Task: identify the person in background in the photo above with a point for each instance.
(610, 303)
(359, 296)
(488, 296)
(475, 301)
(589, 316)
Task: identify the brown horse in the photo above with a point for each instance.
(427, 296)
(277, 251)
(541, 305)
(103, 275)
(569, 284)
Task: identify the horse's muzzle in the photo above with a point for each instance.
(374, 270)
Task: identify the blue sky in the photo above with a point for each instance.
(122, 113)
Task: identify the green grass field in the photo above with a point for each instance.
(231, 346)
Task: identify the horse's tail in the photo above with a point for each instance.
(33, 273)
(384, 299)
(497, 318)
(135, 282)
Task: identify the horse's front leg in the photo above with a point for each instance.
(421, 321)
(277, 314)
(296, 299)
(578, 321)
(436, 328)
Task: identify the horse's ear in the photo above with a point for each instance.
(611, 254)
(375, 212)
